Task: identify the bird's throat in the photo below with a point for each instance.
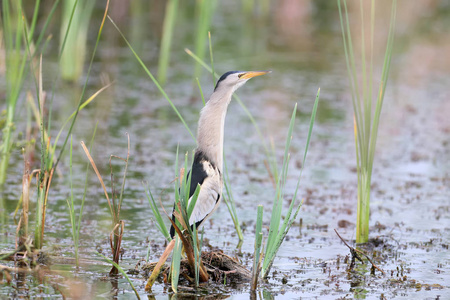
(211, 130)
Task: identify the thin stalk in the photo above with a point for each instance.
(231, 204)
(122, 271)
(213, 73)
(257, 252)
(277, 233)
(201, 91)
(366, 120)
(153, 79)
(166, 41)
(205, 11)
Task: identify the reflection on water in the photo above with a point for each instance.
(300, 42)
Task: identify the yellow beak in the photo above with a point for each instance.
(254, 74)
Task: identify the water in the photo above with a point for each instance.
(301, 44)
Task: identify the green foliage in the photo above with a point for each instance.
(278, 232)
(15, 38)
(258, 245)
(205, 12)
(74, 221)
(366, 120)
(76, 15)
(166, 41)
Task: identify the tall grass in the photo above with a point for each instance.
(114, 204)
(278, 229)
(166, 41)
(75, 220)
(205, 12)
(14, 40)
(257, 258)
(186, 235)
(366, 117)
(76, 15)
(49, 161)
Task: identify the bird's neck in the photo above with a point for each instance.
(211, 127)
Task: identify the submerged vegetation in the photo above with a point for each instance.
(59, 234)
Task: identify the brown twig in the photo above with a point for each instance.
(354, 252)
(98, 175)
(159, 265)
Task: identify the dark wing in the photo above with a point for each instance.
(198, 177)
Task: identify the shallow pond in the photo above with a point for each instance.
(301, 43)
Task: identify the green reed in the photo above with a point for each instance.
(75, 220)
(204, 12)
(14, 40)
(49, 161)
(278, 229)
(257, 257)
(366, 118)
(166, 40)
(115, 205)
(76, 15)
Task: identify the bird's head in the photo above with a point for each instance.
(235, 79)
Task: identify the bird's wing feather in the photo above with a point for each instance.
(209, 196)
(208, 176)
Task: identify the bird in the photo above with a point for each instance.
(207, 167)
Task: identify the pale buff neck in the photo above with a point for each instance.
(211, 126)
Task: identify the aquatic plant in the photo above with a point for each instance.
(48, 160)
(122, 271)
(166, 40)
(76, 15)
(230, 200)
(205, 12)
(257, 257)
(114, 204)
(186, 236)
(277, 229)
(14, 41)
(366, 119)
(75, 221)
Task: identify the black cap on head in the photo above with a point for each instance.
(225, 76)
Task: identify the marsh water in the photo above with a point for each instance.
(300, 41)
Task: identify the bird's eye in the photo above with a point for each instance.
(240, 75)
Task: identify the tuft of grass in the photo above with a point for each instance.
(277, 229)
(14, 40)
(186, 236)
(74, 221)
(114, 204)
(48, 161)
(156, 213)
(366, 118)
(166, 41)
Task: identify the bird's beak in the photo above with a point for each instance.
(251, 74)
